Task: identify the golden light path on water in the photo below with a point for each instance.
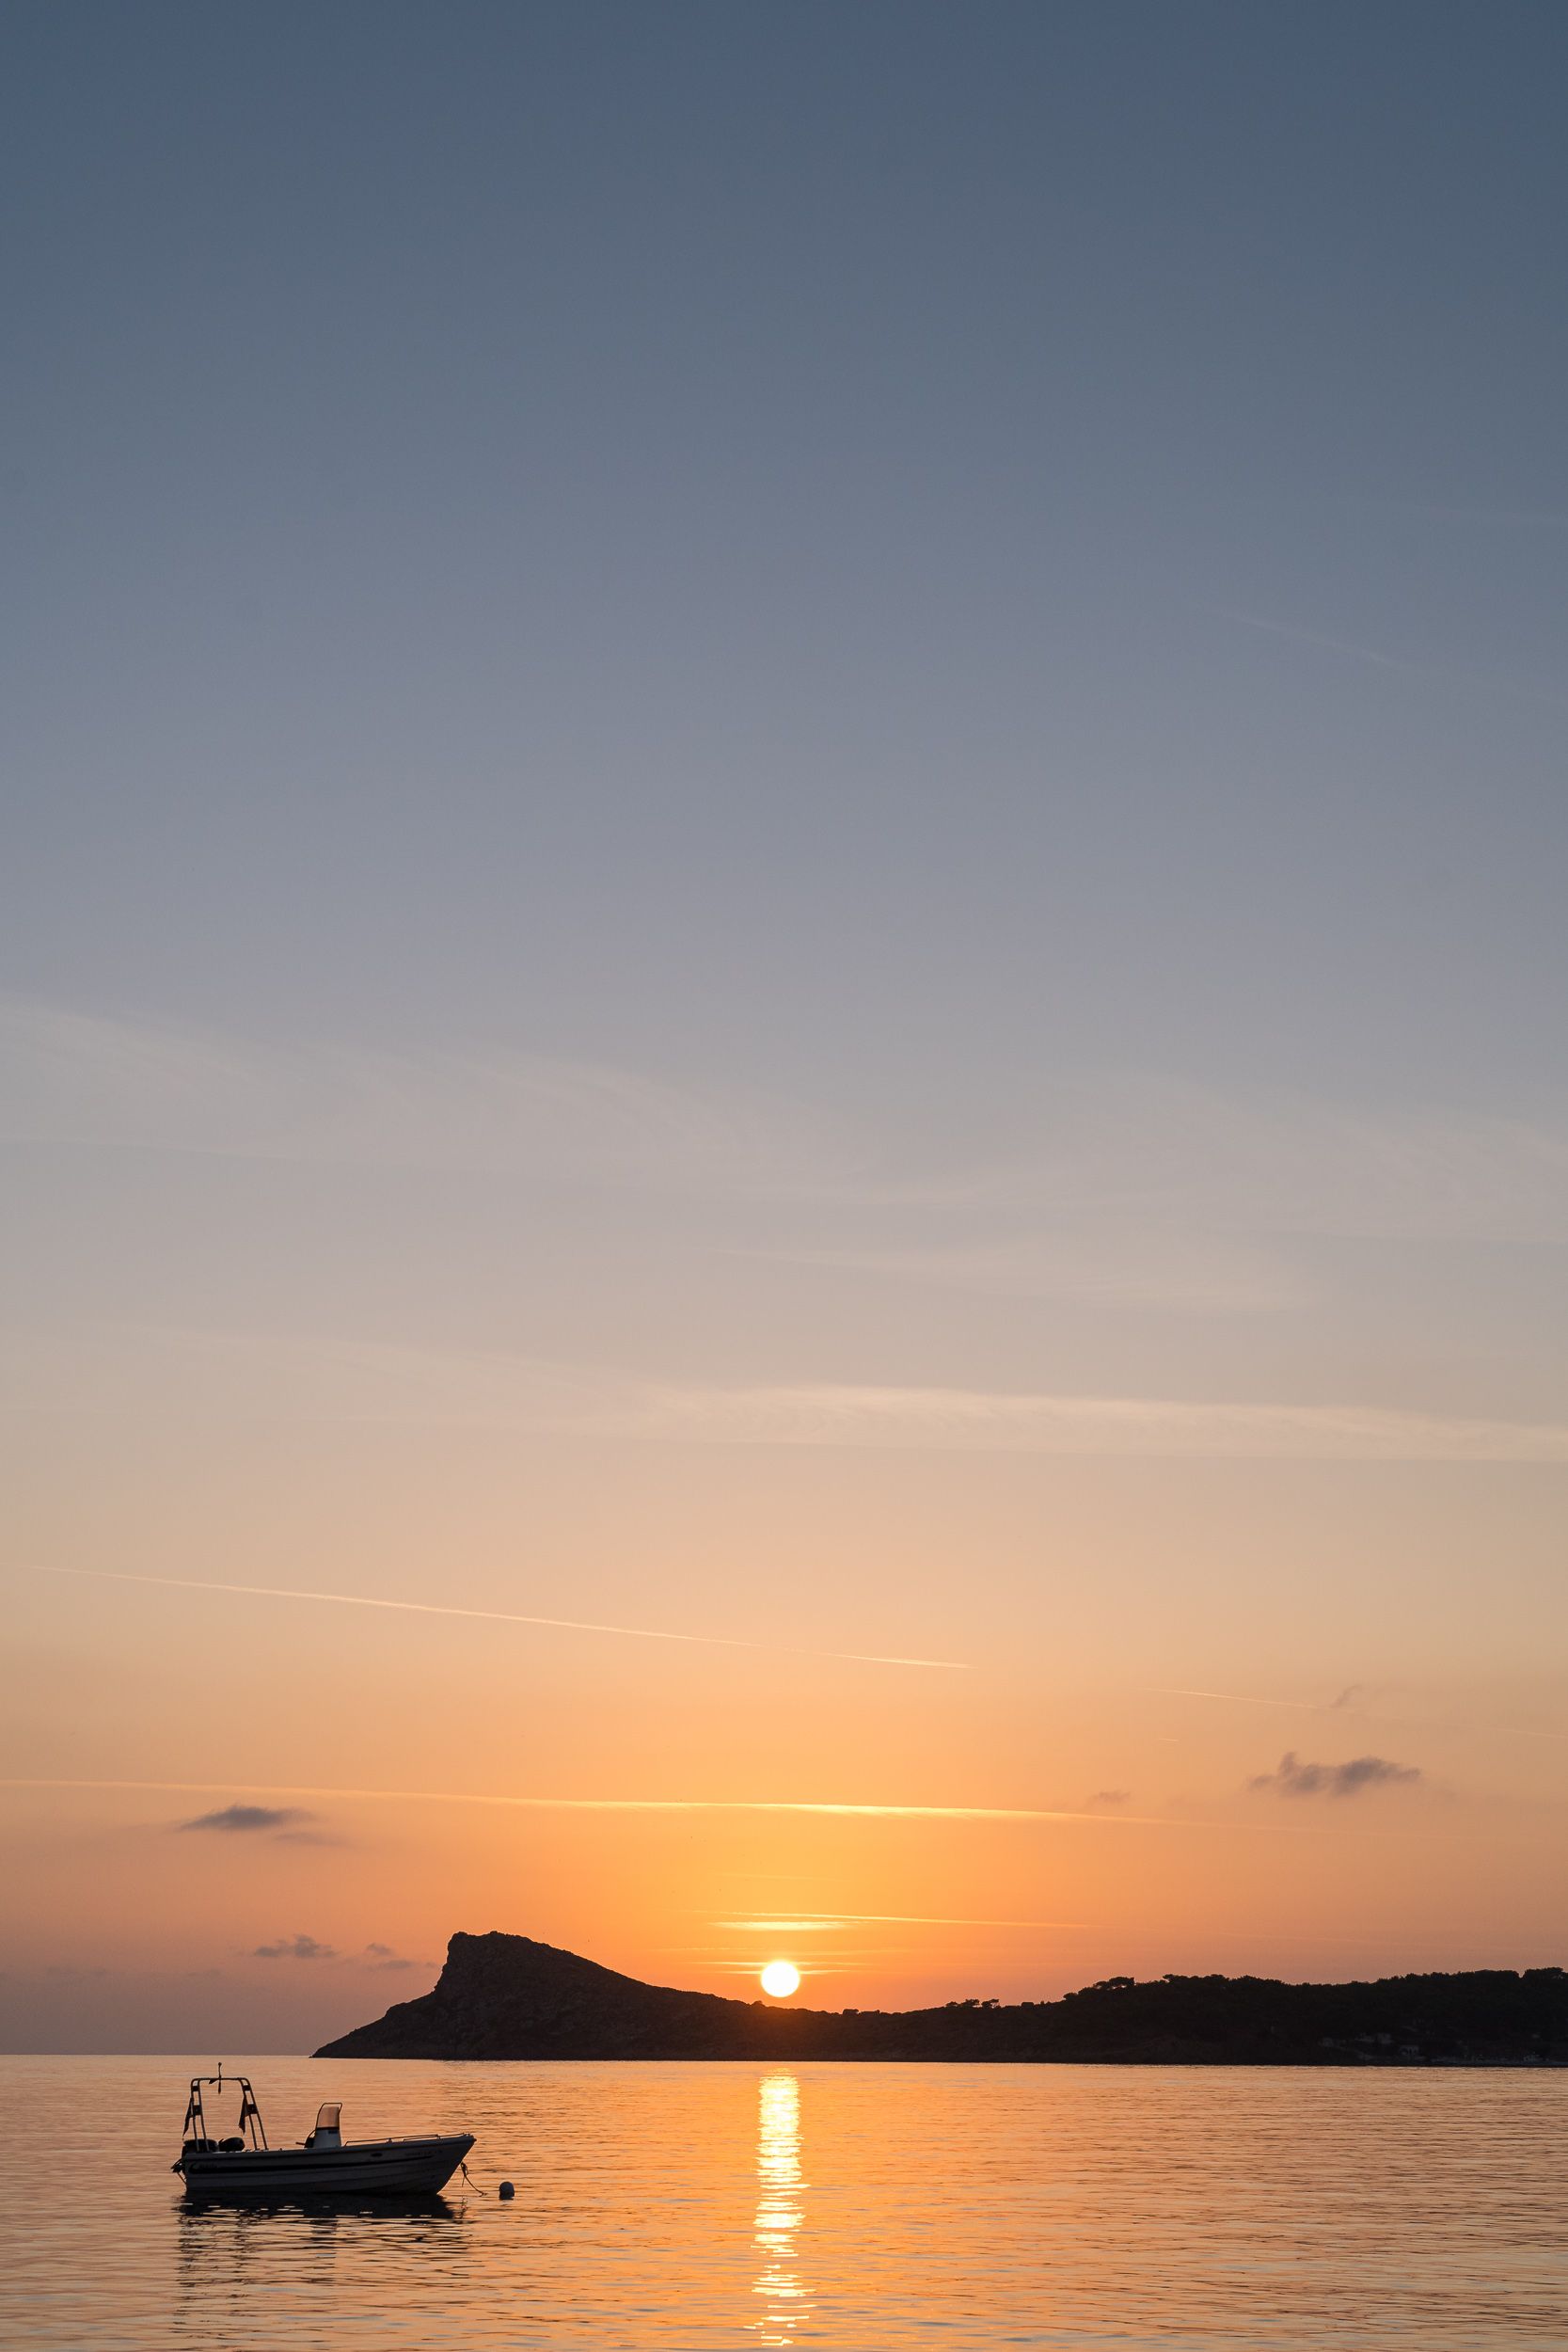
(781, 2185)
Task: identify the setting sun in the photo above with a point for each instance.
(780, 1977)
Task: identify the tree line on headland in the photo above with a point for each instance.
(505, 1996)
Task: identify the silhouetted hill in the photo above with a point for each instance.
(505, 1996)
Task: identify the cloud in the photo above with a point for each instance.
(1110, 1796)
(1232, 1698)
(494, 1617)
(1294, 1778)
(833, 1808)
(332, 1381)
(383, 1956)
(1458, 674)
(98, 1081)
(1347, 1701)
(1126, 1185)
(1325, 644)
(293, 1947)
(827, 1922)
(1177, 1273)
(1167, 1160)
(250, 1819)
(977, 1420)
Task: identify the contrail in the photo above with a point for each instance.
(508, 1616)
(629, 1804)
(814, 1922)
(1242, 1698)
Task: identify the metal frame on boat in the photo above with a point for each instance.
(244, 2163)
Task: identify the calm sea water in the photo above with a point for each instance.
(854, 2206)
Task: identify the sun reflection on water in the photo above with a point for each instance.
(781, 2185)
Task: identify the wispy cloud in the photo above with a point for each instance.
(1183, 1274)
(826, 1922)
(487, 1388)
(1241, 1698)
(1457, 673)
(1110, 1797)
(293, 1947)
(96, 1079)
(993, 1421)
(1161, 1156)
(502, 1616)
(1293, 1778)
(1295, 636)
(249, 1820)
(1148, 1188)
(831, 1807)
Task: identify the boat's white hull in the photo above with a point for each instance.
(377, 2168)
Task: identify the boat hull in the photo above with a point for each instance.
(374, 2168)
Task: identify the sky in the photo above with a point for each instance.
(783, 1127)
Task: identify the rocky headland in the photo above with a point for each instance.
(505, 1996)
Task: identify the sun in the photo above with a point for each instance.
(780, 1977)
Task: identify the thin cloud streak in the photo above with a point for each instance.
(1120, 1158)
(508, 1616)
(1004, 1421)
(1244, 1699)
(1326, 644)
(636, 1804)
(99, 1080)
(813, 1922)
(1455, 671)
(425, 1387)
(1173, 1273)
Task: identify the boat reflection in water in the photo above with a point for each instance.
(781, 2185)
(235, 2255)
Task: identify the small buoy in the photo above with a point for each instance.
(506, 2190)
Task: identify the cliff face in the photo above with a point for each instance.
(505, 1996)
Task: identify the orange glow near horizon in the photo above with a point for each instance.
(783, 1124)
(1091, 1800)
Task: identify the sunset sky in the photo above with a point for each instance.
(782, 999)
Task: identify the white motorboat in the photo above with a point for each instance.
(242, 2164)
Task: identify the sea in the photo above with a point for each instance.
(1183, 2208)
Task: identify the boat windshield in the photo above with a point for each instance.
(327, 2114)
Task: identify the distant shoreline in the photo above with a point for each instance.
(506, 1997)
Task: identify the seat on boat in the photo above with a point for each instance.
(326, 2134)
